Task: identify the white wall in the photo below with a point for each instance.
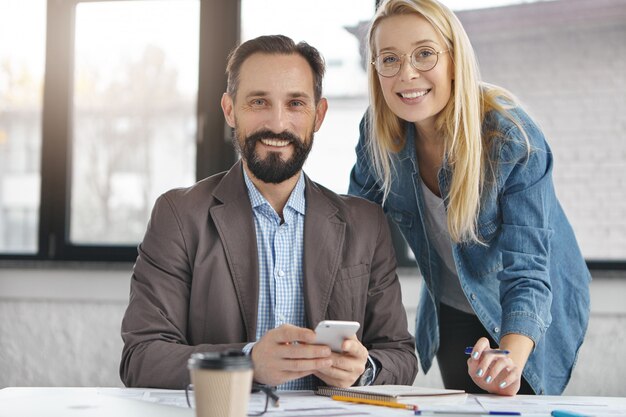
(60, 327)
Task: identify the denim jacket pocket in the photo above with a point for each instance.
(484, 259)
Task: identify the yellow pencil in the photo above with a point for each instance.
(374, 402)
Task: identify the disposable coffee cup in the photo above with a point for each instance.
(221, 383)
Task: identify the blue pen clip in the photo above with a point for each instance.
(466, 413)
(566, 413)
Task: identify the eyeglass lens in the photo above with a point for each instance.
(423, 59)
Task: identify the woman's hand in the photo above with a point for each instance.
(499, 373)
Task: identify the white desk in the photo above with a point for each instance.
(120, 402)
(80, 402)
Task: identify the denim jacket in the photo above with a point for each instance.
(529, 278)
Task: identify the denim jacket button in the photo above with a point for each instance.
(473, 296)
(496, 329)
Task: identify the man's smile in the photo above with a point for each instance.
(275, 142)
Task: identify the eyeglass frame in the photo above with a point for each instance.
(401, 58)
(269, 392)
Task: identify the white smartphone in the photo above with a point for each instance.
(333, 332)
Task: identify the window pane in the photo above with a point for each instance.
(22, 48)
(329, 26)
(135, 90)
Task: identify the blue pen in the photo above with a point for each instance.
(468, 351)
(467, 413)
(565, 413)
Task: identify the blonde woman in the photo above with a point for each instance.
(467, 176)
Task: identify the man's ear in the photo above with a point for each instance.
(227, 108)
(320, 113)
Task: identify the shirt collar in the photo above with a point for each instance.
(296, 200)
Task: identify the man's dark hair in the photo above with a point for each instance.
(274, 44)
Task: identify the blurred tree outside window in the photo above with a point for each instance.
(22, 53)
(135, 91)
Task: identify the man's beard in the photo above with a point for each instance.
(273, 169)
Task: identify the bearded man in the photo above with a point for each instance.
(255, 257)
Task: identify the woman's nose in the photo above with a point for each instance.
(407, 70)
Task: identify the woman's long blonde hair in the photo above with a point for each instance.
(459, 124)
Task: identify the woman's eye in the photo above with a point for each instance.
(390, 59)
(424, 53)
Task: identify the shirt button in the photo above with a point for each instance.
(281, 273)
(496, 329)
(281, 317)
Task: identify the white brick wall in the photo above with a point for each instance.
(566, 61)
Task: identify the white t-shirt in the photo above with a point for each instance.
(439, 236)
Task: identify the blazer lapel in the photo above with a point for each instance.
(324, 234)
(234, 222)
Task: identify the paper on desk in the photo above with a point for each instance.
(543, 405)
(306, 403)
(292, 403)
(158, 396)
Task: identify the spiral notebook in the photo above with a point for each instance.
(393, 393)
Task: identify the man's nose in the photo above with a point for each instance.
(277, 119)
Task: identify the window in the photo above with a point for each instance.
(21, 82)
(134, 108)
(104, 105)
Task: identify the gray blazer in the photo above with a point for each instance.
(195, 283)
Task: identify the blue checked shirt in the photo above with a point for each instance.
(281, 250)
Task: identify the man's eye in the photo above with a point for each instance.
(297, 103)
(258, 102)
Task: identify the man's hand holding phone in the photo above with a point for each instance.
(349, 356)
(289, 352)
(286, 353)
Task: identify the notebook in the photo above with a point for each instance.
(393, 393)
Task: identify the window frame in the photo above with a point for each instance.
(219, 33)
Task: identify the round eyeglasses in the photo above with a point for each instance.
(423, 58)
